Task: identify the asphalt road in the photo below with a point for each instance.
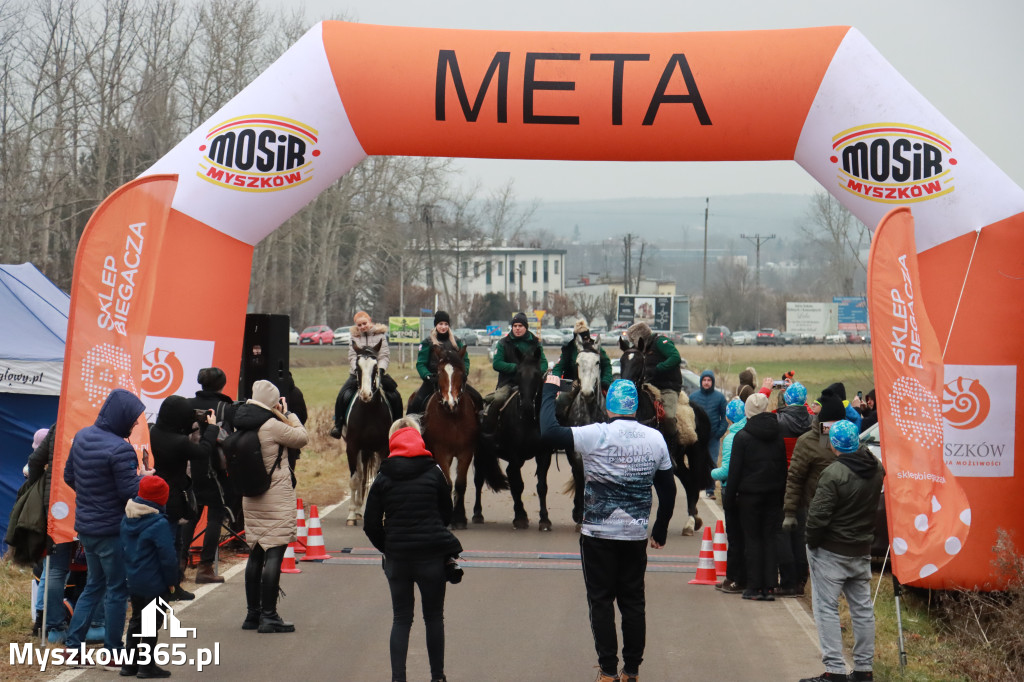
(519, 614)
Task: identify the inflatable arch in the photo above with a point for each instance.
(161, 277)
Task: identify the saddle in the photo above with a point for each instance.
(686, 422)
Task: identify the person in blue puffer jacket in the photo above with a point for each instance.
(713, 403)
(103, 470)
(152, 564)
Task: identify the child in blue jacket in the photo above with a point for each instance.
(151, 567)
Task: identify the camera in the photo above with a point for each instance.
(452, 572)
(200, 415)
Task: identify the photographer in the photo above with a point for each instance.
(407, 513)
(173, 454)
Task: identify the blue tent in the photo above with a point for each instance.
(35, 319)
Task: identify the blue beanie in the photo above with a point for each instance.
(844, 437)
(734, 410)
(622, 398)
(796, 394)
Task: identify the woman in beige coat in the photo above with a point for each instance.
(270, 517)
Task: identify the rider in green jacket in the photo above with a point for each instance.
(521, 339)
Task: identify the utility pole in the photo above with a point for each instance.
(757, 240)
(704, 283)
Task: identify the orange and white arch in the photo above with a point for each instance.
(162, 270)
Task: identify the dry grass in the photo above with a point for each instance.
(15, 619)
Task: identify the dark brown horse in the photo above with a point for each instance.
(690, 464)
(451, 430)
(366, 437)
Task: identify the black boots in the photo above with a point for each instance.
(262, 584)
(271, 622)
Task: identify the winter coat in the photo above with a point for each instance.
(426, 362)
(811, 455)
(409, 505)
(505, 363)
(378, 333)
(794, 421)
(150, 561)
(40, 462)
(722, 473)
(270, 517)
(713, 403)
(173, 452)
(566, 365)
(662, 364)
(102, 467)
(841, 518)
(758, 462)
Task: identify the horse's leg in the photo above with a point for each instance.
(515, 485)
(543, 463)
(461, 472)
(354, 485)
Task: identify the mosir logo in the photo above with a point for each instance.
(893, 163)
(965, 403)
(258, 154)
(979, 410)
(161, 373)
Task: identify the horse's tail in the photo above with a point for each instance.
(485, 463)
(570, 487)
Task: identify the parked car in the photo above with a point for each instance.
(744, 338)
(835, 338)
(481, 337)
(467, 336)
(616, 368)
(316, 335)
(691, 339)
(769, 337)
(611, 338)
(717, 336)
(342, 336)
(293, 336)
(880, 545)
(551, 337)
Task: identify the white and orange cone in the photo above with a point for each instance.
(706, 561)
(300, 527)
(315, 549)
(721, 547)
(288, 565)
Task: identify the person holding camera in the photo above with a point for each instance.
(408, 510)
(173, 453)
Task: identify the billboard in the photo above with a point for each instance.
(853, 312)
(656, 311)
(814, 319)
(404, 329)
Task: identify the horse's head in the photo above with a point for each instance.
(588, 367)
(631, 364)
(451, 375)
(367, 376)
(529, 377)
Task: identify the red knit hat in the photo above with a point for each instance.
(154, 489)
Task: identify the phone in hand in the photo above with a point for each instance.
(145, 457)
(779, 383)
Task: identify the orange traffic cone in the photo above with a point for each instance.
(288, 565)
(300, 527)
(721, 547)
(706, 561)
(315, 550)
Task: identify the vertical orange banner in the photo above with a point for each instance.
(928, 512)
(111, 301)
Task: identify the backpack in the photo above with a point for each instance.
(245, 462)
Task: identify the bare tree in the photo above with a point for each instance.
(836, 240)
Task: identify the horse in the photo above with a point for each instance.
(450, 431)
(366, 437)
(584, 408)
(689, 462)
(518, 437)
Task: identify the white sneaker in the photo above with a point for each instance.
(689, 527)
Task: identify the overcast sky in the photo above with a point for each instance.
(965, 57)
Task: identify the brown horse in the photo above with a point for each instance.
(451, 430)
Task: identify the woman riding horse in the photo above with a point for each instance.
(450, 431)
(366, 334)
(426, 363)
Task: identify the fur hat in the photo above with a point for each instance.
(755, 405)
(154, 489)
(638, 331)
(520, 318)
(748, 377)
(580, 326)
(441, 316)
(745, 392)
(265, 394)
(832, 408)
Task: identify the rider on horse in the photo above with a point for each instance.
(505, 364)
(663, 369)
(426, 363)
(366, 334)
(566, 365)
